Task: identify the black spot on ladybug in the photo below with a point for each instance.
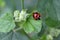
(36, 16)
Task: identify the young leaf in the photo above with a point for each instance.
(32, 25)
(6, 23)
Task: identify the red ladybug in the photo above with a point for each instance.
(36, 16)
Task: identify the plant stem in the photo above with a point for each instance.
(28, 35)
(37, 4)
(14, 4)
(17, 29)
(22, 4)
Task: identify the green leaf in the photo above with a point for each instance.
(32, 25)
(43, 37)
(51, 23)
(28, 28)
(50, 10)
(13, 36)
(6, 23)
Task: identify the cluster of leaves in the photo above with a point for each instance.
(44, 29)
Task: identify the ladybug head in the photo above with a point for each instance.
(36, 16)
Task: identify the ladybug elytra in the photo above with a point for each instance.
(36, 16)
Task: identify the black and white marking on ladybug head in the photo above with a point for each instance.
(36, 16)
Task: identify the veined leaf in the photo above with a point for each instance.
(32, 25)
(6, 23)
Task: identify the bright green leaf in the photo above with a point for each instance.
(32, 25)
(28, 28)
(6, 23)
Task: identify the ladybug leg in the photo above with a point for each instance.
(38, 18)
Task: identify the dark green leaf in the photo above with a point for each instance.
(13, 36)
(52, 23)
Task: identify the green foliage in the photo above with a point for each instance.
(43, 37)
(6, 23)
(54, 32)
(50, 16)
(51, 23)
(13, 36)
(2, 3)
(32, 25)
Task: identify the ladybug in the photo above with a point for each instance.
(36, 16)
